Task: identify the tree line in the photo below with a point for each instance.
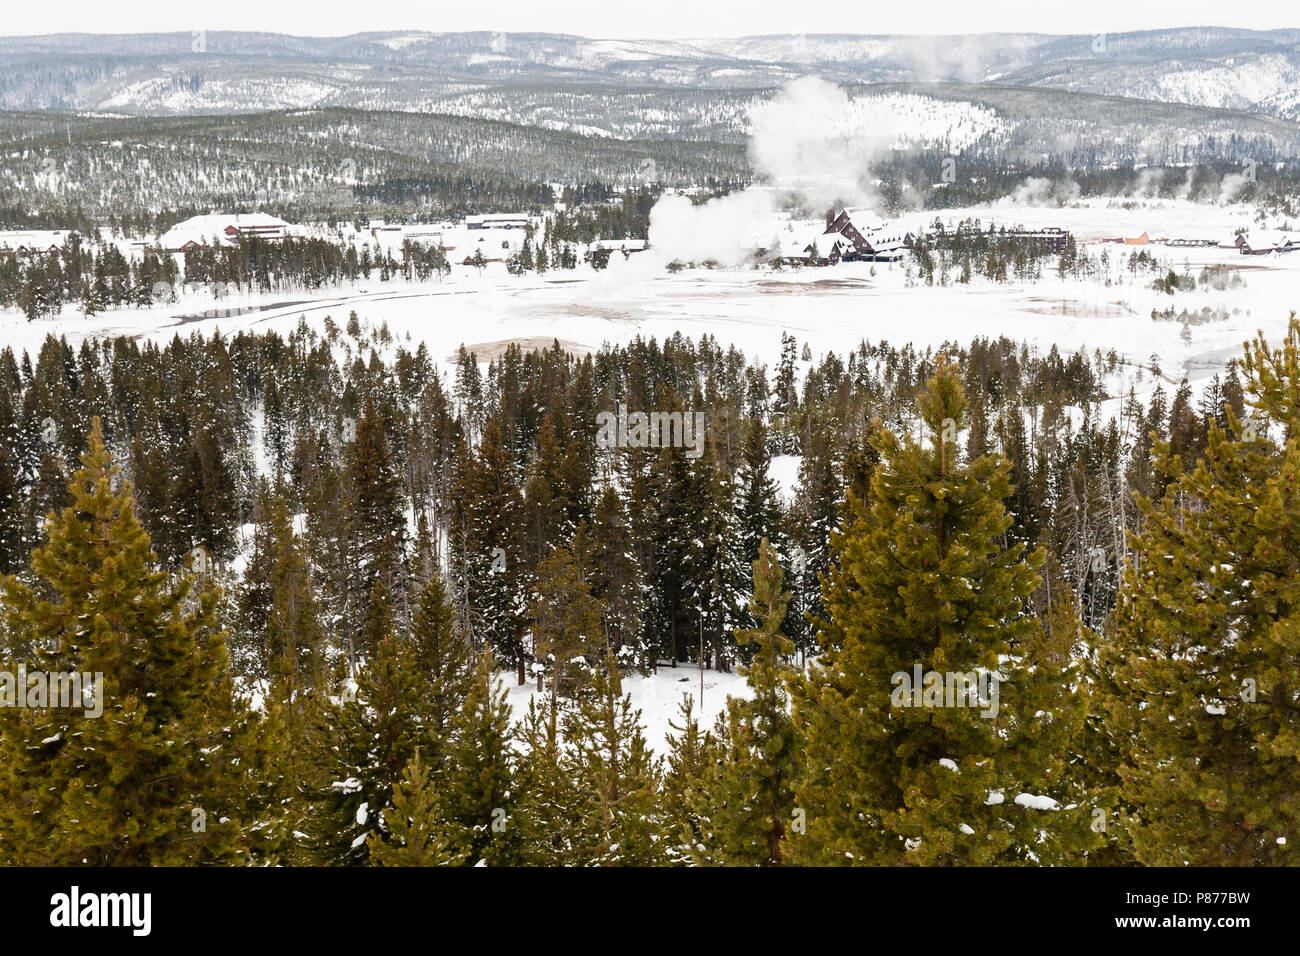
(94, 276)
(309, 563)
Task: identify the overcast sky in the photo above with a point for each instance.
(646, 18)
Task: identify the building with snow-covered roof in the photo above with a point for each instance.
(828, 247)
(503, 220)
(496, 245)
(870, 237)
(222, 229)
(423, 232)
(864, 220)
(1262, 242)
(1186, 240)
(33, 241)
(1052, 237)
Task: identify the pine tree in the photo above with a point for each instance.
(751, 792)
(718, 577)
(566, 623)
(616, 818)
(13, 524)
(667, 507)
(443, 659)
(360, 746)
(270, 777)
(860, 465)
(327, 538)
(275, 428)
(608, 556)
(1202, 702)
(557, 486)
(480, 793)
(282, 631)
(150, 781)
(1054, 742)
(543, 820)
(203, 496)
(694, 756)
(922, 581)
(414, 833)
(294, 641)
(758, 503)
(377, 622)
(487, 558)
(377, 528)
(785, 397)
(815, 516)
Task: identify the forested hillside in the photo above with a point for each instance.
(313, 165)
(349, 541)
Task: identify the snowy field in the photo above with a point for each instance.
(658, 697)
(829, 308)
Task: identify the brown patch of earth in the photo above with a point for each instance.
(1077, 309)
(817, 285)
(492, 351)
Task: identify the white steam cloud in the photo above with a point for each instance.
(1231, 187)
(810, 141)
(1149, 182)
(1041, 191)
(813, 140)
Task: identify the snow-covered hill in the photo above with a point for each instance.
(1259, 82)
(223, 72)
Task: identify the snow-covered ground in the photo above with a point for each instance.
(659, 697)
(829, 308)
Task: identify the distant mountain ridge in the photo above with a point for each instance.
(219, 71)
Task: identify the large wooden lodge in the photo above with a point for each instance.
(846, 235)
